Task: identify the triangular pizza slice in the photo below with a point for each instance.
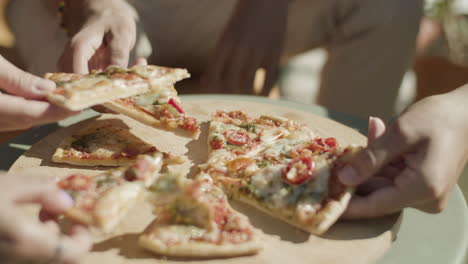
(291, 176)
(105, 143)
(79, 91)
(196, 220)
(160, 109)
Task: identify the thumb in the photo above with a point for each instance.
(376, 128)
(370, 160)
(20, 83)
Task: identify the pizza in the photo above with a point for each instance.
(236, 133)
(78, 91)
(105, 143)
(290, 173)
(104, 199)
(274, 164)
(159, 109)
(197, 222)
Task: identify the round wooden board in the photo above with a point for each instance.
(346, 242)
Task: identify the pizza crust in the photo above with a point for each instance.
(114, 204)
(90, 99)
(80, 216)
(147, 119)
(320, 223)
(59, 157)
(199, 249)
(105, 90)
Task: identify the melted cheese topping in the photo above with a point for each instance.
(87, 86)
(159, 95)
(177, 234)
(106, 142)
(269, 187)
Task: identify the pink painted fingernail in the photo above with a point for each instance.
(348, 175)
(66, 198)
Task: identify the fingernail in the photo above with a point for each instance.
(348, 176)
(66, 198)
(44, 85)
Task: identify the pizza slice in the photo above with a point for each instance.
(237, 134)
(77, 91)
(304, 192)
(106, 143)
(198, 222)
(291, 176)
(104, 199)
(158, 110)
(235, 138)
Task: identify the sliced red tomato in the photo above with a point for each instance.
(323, 144)
(176, 105)
(237, 138)
(331, 142)
(75, 182)
(190, 123)
(299, 170)
(216, 143)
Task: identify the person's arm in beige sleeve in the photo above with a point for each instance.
(415, 162)
(102, 34)
(22, 99)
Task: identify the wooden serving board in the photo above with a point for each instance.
(346, 242)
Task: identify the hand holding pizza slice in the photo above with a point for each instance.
(412, 163)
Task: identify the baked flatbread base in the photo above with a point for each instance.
(110, 208)
(113, 92)
(320, 223)
(199, 249)
(147, 119)
(58, 157)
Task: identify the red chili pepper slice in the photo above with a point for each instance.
(176, 105)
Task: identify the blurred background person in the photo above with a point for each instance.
(369, 43)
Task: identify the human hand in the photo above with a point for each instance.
(23, 106)
(23, 239)
(253, 39)
(103, 32)
(415, 162)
